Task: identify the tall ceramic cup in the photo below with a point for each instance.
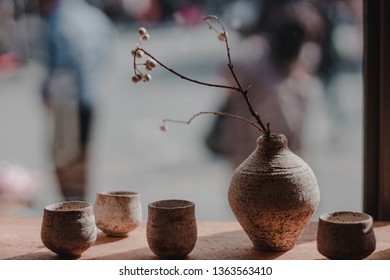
(117, 213)
(68, 228)
(345, 235)
(171, 228)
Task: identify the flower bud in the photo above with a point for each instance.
(140, 54)
(147, 78)
(135, 79)
(150, 63)
(145, 37)
(222, 36)
(163, 127)
(142, 31)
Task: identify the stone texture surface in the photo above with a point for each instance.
(345, 235)
(68, 228)
(117, 212)
(273, 194)
(171, 229)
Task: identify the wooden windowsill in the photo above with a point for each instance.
(20, 240)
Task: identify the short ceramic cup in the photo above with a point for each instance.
(171, 228)
(68, 228)
(345, 235)
(118, 212)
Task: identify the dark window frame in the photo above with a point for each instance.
(377, 109)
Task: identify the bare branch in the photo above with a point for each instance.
(231, 68)
(222, 35)
(215, 113)
(185, 77)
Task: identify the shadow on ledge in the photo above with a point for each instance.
(102, 238)
(232, 245)
(42, 256)
(380, 255)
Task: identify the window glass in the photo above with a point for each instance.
(301, 59)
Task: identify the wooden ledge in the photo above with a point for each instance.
(20, 240)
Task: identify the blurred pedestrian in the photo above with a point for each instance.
(278, 64)
(9, 57)
(77, 37)
(18, 187)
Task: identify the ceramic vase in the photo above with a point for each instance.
(273, 194)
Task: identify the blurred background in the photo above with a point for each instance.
(128, 150)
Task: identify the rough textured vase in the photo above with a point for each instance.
(273, 194)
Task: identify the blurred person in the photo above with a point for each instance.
(77, 37)
(147, 10)
(345, 85)
(9, 58)
(347, 35)
(189, 13)
(278, 63)
(7, 22)
(18, 187)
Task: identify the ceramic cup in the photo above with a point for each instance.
(117, 213)
(68, 228)
(171, 228)
(345, 235)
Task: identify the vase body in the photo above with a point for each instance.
(273, 195)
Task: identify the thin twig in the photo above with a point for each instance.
(231, 68)
(215, 113)
(245, 93)
(185, 77)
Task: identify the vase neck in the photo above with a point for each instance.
(273, 142)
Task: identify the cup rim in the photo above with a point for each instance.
(53, 207)
(365, 218)
(159, 204)
(119, 193)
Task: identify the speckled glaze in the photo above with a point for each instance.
(273, 195)
(68, 228)
(117, 213)
(171, 228)
(345, 235)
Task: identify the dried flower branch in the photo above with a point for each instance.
(209, 113)
(152, 62)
